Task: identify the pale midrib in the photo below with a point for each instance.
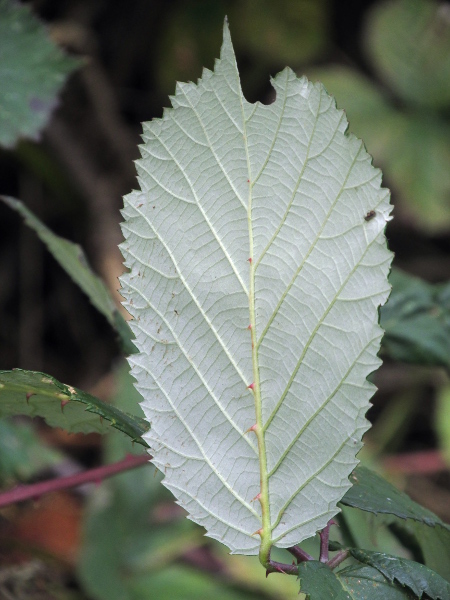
(311, 248)
(319, 410)
(311, 337)
(199, 446)
(194, 367)
(194, 298)
(200, 207)
(265, 532)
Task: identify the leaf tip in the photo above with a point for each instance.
(227, 45)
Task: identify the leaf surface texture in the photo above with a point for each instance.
(222, 181)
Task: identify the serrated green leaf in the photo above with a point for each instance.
(39, 395)
(222, 181)
(319, 582)
(32, 71)
(372, 493)
(73, 260)
(366, 583)
(408, 573)
(416, 321)
(409, 43)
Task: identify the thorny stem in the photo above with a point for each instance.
(299, 554)
(336, 560)
(277, 567)
(324, 539)
(265, 532)
(302, 556)
(35, 490)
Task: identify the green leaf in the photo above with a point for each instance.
(442, 420)
(319, 582)
(409, 43)
(434, 543)
(73, 260)
(22, 453)
(222, 181)
(362, 529)
(366, 583)
(416, 577)
(32, 72)
(372, 493)
(354, 583)
(39, 395)
(417, 321)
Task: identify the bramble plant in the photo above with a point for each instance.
(257, 265)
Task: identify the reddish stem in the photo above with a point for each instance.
(277, 567)
(336, 560)
(324, 539)
(35, 490)
(299, 554)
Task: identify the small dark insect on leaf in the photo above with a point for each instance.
(370, 215)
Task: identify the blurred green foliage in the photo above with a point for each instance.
(22, 453)
(408, 42)
(442, 420)
(32, 72)
(417, 321)
(402, 116)
(72, 259)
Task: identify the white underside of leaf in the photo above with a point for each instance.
(320, 274)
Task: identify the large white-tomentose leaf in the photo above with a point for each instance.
(223, 181)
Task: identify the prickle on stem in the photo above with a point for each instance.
(252, 428)
(63, 403)
(257, 532)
